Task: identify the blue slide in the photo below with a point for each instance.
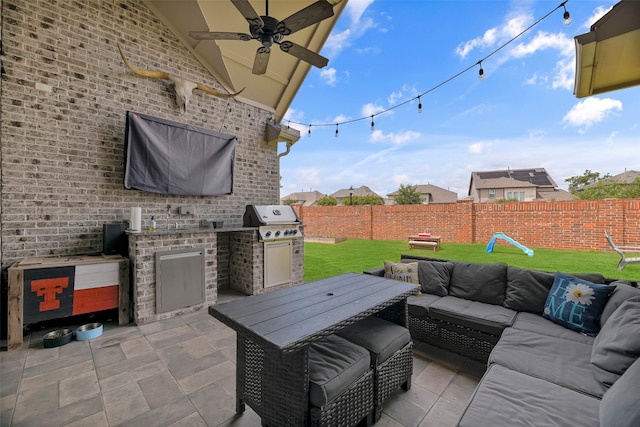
(508, 239)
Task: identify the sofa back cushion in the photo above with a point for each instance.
(434, 277)
(479, 282)
(617, 345)
(527, 290)
(624, 291)
(619, 406)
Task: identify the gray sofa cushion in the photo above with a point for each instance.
(617, 345)
(527, 290)
(434, 277)
(563, 362)
(506, 397)
(623, 292)
(381, 337)
(419, 304)
(479, 282)
(619, 406)
(480, 316)
(334, 364)
(536, 323)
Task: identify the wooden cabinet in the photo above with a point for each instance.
(51, 288)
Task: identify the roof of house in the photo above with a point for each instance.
(438, 194)
(626, 177)
(360, 191)
(305, 198)
(555, 194)
(511, 178)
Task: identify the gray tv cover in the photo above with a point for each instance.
(162, 156)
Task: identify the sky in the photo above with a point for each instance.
(383, 53)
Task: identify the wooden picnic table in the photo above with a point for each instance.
(433, 242)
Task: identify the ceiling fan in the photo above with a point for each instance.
(268, 30)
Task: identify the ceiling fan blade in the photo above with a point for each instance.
(246, 10)
(215, 35)
(304, 54)
(261, 61)
(310, 15)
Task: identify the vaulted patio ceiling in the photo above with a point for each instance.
(231, 61)
(608, 57)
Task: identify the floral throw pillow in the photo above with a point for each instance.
(576, 303)
(405, 272)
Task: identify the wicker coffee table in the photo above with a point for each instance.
(274, 331)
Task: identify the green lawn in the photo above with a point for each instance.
(324, 260)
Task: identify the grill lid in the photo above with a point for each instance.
(258, 215)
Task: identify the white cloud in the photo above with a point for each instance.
(358, 25)
(371, 109)
(295, 116)
(476, 148)
(394, 138)
(496, 35)
(542, 41)
(612, 136)
(598, 13)
(591, 111)
(328, 75)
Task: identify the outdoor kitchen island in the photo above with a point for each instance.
(196, 263)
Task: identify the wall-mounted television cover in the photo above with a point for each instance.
(162, 156)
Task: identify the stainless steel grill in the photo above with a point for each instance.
(274, 222)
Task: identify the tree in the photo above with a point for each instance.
(327, 201)
(289, 202)
(591, 186)
(408, 195)
(362, 200)
(577, 183)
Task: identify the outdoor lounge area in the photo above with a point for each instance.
(181, 371)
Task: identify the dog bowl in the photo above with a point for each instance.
(88, 331)
(57, 338)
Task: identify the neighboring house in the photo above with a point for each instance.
(344, 194)
(430, 194)
(304, 198)
(626, 177)
(523, 185)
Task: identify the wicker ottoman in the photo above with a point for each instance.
(340, 383)
(389, 345)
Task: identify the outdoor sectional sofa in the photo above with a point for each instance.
(561, 350)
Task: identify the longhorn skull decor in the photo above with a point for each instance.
(184, 88)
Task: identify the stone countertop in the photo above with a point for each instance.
(188, 230)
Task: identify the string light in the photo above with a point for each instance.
(566, 16)
(567, 21)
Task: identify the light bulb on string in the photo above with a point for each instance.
(373, 125)
(419, 105)
(566, 16)
(481, 72)
(337, 130)
(309, 132)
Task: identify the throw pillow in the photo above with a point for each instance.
(405, 272)
(434, 277)
(619, 406)
(617, 345)
(576, 303)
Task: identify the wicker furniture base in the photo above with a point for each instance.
(348, 409)
(394, 372)
(458, 339)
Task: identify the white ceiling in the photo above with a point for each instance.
(231, 61)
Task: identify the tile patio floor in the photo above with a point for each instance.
(181, 372)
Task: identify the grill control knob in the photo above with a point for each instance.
(294, 231)
(277, 233)
(267, 234)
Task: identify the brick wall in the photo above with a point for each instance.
(576, 224)
(64, 99)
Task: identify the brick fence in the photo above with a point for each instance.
(577, 224)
